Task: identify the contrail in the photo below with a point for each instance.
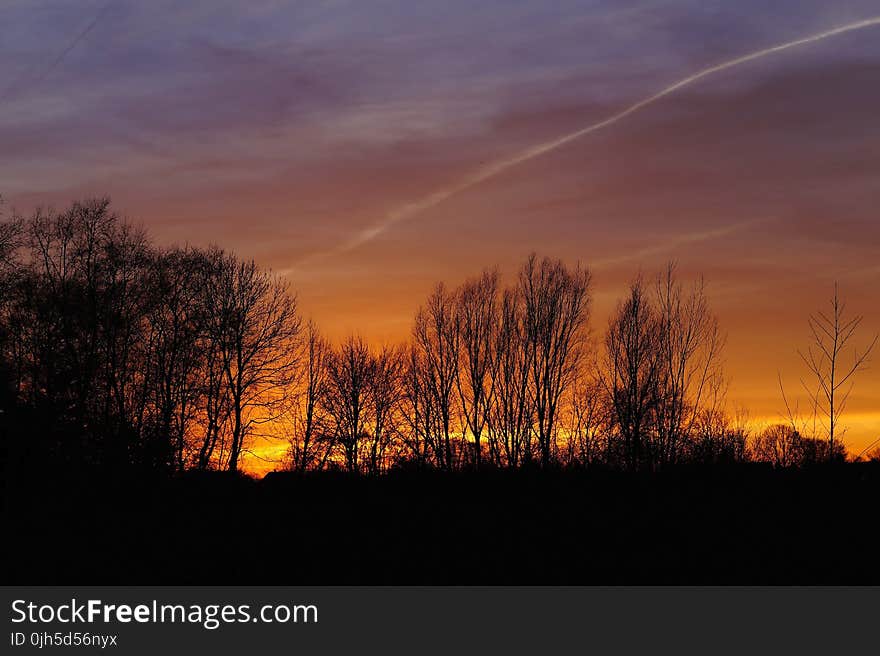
(680, 240)
(480, 175)
(59, 58)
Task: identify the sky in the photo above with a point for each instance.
(338, 144)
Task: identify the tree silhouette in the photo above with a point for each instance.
(831, 336)
(310, 439)
(349, 372)
(476, 318)
(511, 412)
(175, 327)
(254, 323)
(556, 310)
(780, 445)
(384, 389)
(689, 371)
(632, 371)
(437, 339)
(588, 427)
(417, 410)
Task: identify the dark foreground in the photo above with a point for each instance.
(737, 525)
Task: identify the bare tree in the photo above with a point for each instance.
(689, 368)
(384, 388)
(780, 445)
(176, 323)
(511, 412)
(84, 298)
(216, 403)
(632, 368)
(831, 337)
(127, 298)
(255, 325)
(556, 311)
(11, 233)
(587, 429)
(309, 445)
(437, 336)
(719, 437)
(59, 316)
(11, 240)
(477, 316)
(213, 407)
(416, 408)
(348, 397)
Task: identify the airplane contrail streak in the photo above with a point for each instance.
(480, 175)
(677, 241)
(59, 58)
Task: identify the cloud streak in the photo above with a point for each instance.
(417, 207)
(676, 242)
(21, 82)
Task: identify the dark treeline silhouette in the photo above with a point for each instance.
(118, 353)
(516, 442)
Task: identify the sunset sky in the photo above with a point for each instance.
(292, 132)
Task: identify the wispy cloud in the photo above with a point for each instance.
(433, 199)
(673, 243)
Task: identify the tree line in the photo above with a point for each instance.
(115, 352)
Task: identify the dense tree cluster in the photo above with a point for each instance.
(116, 352)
